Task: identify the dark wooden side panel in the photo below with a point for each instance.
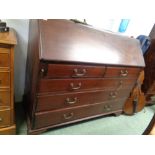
(32, 66)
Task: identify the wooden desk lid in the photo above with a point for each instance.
(8, 37)
(64, 40)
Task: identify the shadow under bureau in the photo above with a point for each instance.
(75, 72)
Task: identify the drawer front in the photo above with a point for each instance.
(68, 71)
(4, 98)
(4, 50)
(4, 79)
(122, 72)
(4, 60)
(58, 85)
(4, 118)
(68, 115)
(67, 100)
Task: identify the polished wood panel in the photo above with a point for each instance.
(58, 85)
(4, 79)
(64, 40)
(5, 119)
(69, 71)
(58, 101)
(65, 115)
(4, 98)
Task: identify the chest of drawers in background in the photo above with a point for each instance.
(7, 42)
(149, 80)
(75, 73)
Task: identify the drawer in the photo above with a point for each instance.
(68, 115)
(67, 100)
(4, 60)
(4, 79)
(4, 50)
(4, 118)
(68, 71)
(58, 85)
(4, 98)
(122, 72)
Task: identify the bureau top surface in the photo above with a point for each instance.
(8, 37)
(64, 40)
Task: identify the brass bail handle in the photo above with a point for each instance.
(1, 119)
(68, 116)
(113, 94)
(79, 73)
(124, 73)
(71, 101)
(75, 87)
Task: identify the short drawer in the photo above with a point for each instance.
(4, 60)
(4, 118)
(68, 71)
(4, 98)
(4, 50)
(69, 115)
(122, 72)
(4, 79)
(58, 85)
(67, 100)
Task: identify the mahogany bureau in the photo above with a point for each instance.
(7, 43)
(75, 72)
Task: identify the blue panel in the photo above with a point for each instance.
(123, 25)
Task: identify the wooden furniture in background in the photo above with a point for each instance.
(136, 100)
(7, 43)
(75, 72)
(149, 80)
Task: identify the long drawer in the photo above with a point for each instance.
(69, 71)
(67, 115)
(4, 79)
(67, 100)
(4, 98)
(65, 85)
(5, 118)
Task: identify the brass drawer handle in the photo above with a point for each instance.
(68, 116)
(107, 107)
(71, 101)
(73, 87)
(113, 94)
(124, 73)
(1, 119)
(79, 73)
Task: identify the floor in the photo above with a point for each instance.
(109, 125)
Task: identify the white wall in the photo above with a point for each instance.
(21, 27)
